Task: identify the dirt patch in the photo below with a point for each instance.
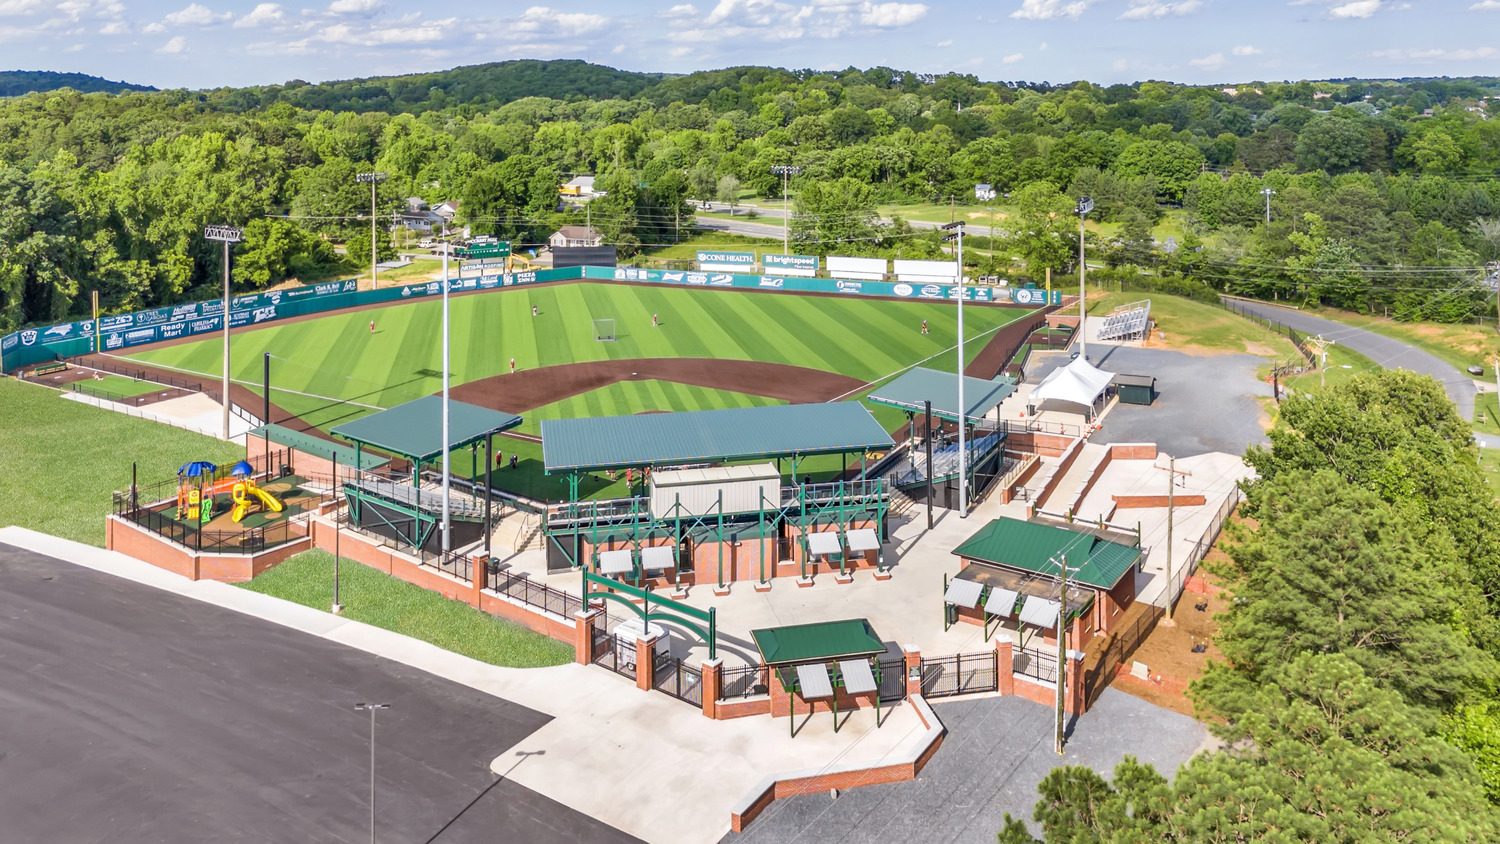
(531, 388)
(1168, 652)
(1260, 350)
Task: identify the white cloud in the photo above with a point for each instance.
(196, 15)
(264, 14)
(115, 28)
(177, 45)
(1486, 6)
(355, 7)
(542, 18)
(1148, 9)
(153, 29)
(1210, 62)
(1046, 10)
(947, 43)
(16, 8)
(888, 15)
(1438, 55)
(1356, 9)
(408, 30)
(1013, 58)
(1248, 50)
(682, 10)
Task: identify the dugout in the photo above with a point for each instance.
(403, 511)
(714, 504)
(984, 440)
(826, 665)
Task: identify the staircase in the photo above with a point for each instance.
(529, 535)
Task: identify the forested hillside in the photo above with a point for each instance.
(14, 83)
(1377, 203)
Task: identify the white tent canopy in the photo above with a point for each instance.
(1079, 382)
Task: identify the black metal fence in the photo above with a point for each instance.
(892, 682)
(960, 674)
(519, 587)
(678, 679)
(618, 655)
(1035, 663)
(746, 681)
(1120, 646)
(89, 388)
(1298, 338)
(137, 373)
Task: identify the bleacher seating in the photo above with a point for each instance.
(1127, 322)
(944, 461)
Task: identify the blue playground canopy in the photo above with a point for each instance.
(242, 468)
(196, 468)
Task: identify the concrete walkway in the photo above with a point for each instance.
(642, 762)
(1388, 353)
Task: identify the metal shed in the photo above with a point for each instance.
(1135, 389)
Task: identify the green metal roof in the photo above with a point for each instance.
(318, 447)
(1030, 546)
(415, 429)
(823, 640)
(912, 388)
(668, 439)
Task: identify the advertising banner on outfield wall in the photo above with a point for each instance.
(853, 287)
(715, 261)
(799, 265)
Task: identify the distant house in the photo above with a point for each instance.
(578, 186)
(1231, 92)
(574, 236)
(1322, 95)
(416, 203)
(446, 210)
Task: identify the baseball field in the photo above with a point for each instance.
(704, 349)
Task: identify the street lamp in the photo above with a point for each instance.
(1268, 193)
(372, 707)
(373, 179)
(785, 171)
(957, 229)
(1085, 205)
(227, 235)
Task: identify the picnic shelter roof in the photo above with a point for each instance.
(667, 439)
(1032, 547)
(817, 642)
(911, 389)
(415, 429)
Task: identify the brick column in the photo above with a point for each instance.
(713, 686)
(477, 565)
(583, 635)
(645, 668)
(913, 668)
(1005, 666)
(1073, 699)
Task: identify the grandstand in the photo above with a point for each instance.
(1127, 322)
(913, 474)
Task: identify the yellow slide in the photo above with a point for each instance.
(242, 495)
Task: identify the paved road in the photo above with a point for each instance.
(996, 751)
(1391, 354)
(707, 221)
(131, 714)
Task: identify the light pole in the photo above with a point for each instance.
(1268, 193)
(957, 229)
(785, 171)
(372, 707)
(373, 179)
(227, 235)
(447, 441)
(1085, 205)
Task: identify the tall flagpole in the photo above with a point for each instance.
(447, 473)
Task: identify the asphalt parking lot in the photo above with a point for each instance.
(996, 751)
(131, 714)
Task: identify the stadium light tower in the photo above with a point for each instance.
(785, 171)
(1085, 205)
(373, 179)
(227, 235)
(957, 229)
(447, 439)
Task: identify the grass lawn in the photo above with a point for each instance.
(1196, 327)
(60, 459)
(687, 250)
(378, 599)
(1343, 363)
(1489, 464)
(1459, 345)
(1486, 407)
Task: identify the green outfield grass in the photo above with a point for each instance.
(333, 369)
(379, 599)
(631, 397)
(60, 459)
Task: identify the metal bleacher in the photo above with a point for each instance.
(459, 506)
(944, 462)
(1127, 322)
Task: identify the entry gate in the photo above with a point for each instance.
(677, 678)
(960, 674)
(613, 653)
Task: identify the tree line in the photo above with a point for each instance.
(111, 192)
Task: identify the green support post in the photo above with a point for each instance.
(844, 540)
(806, 546)
(720, 538)
(573, 481)
(677, 532)
(760, 524)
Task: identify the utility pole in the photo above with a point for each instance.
(447, 440)
(928, 406)
(373, 179)
(1085, 205)
(785, 171)
(1172, 474)
(1062, 649)
(227, 235)
(1268, 193)
(372, 707)
(963, 414)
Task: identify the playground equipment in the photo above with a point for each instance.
(195, 499)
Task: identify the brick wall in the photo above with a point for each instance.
(135, 541)
(1133, 451)
(1047, 445)
(1143, 502)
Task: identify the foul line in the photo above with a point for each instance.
(217, 378)
(867, 385)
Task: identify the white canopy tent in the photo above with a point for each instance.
(1080, 382)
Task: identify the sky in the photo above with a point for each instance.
(212, 43)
